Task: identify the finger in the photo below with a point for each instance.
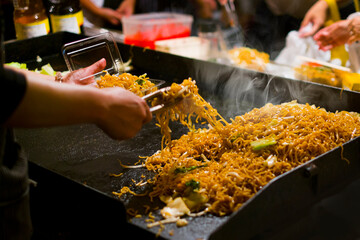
(314, 29)
(322, 44)
(304, 23)
(99, 65)
(327, 47)
(148, 116)
(114, 21)
(95, 67)
(311, 32)
(351, 40)
(323, 35)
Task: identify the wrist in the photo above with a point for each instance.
(130, 1)
(97, 108)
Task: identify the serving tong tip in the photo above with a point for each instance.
(164, 103)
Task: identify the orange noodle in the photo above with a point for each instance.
(192, 106)
(219, 169)
(140, 85)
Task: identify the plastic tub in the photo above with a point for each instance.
(144, 29)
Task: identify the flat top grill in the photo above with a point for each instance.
(75, 161)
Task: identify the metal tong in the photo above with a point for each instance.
(164, 104)
(230, 10)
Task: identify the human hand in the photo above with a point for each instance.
(354, 30)
(110, 15)
(79, 76)
(126, 8)
(316, 16)
(222, 2)
(205, 8)
(332, 36)
(124, 113)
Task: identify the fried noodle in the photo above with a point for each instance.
(221, 168)
(140, 85)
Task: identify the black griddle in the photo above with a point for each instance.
(73, 198)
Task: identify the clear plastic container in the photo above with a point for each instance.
(144, 29)
(85, 52)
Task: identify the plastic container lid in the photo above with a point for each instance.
(85, 52)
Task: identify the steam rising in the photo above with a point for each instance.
(235, 91)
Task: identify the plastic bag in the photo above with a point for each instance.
(297, 46)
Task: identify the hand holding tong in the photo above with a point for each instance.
(164, 103)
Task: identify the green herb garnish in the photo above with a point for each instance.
(193, 184)
(263, 143)
(140, 81)
(188, 169)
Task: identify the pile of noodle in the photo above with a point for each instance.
(140, 85)
(230, 164)
(249, 58)
(192, 105)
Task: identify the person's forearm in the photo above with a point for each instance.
(30, 73)
(49, 103)
(130, 2)
(90, 6)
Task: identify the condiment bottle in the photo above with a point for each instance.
(30, 19)
(66, 15)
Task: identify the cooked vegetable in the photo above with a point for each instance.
(140, 81)
(187, 169)
(175, 208)
(235, 172)
(263, 143)
(193, 184)
(46, 69)
(17, 65)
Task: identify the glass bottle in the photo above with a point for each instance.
(66, 15)
(30, 19)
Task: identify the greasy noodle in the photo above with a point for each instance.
(140, 85)
(192, 105)
(220, 168)
(249, 58)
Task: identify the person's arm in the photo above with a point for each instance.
(336, 34)
(204, 8)
(316, 16)
(339, 33)
(354, 28)
(118, 112)
(108, 14)
(81, 76)
(126, 8)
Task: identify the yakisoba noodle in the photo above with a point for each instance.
(220, 169)
(192, 105)
(249, 58)
(140, 85)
